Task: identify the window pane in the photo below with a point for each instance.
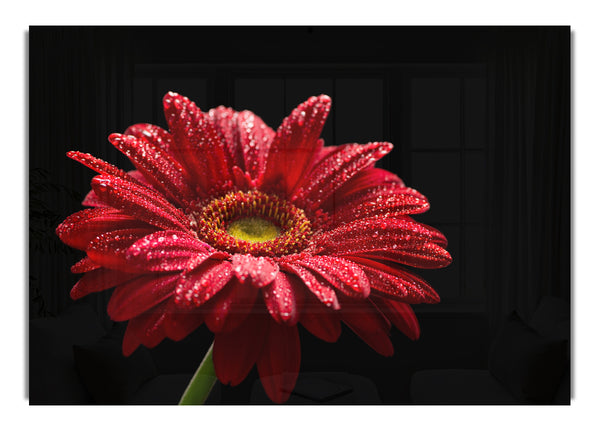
(475, 177)
(474, 262)
(262, 96)
(358, 110)
(475, 112)
(437, 176)
(143, 100)
(435, 119)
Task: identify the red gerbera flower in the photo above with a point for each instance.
(250, 231)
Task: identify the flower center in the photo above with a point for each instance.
(253, 229)
(252, 222)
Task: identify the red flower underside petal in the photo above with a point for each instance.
(91, 200)
(141, 178)
(157, 166)
(280, 298)
(137, 296)
(369, 324)
(84, 265)
(378, 201)
(109, 249)
(80, 228)
(197, 145)
(100, 166)
(398, 284)
(229, 308)
(255, 139)
(147, 329)
(258, 271)
(319, 320)
(344, 275)
(181, 322)
(366, 179)
(235, 353)
(139, 202)
(295, 145)
(279, 362)
(324, 152)
(317, 285)
(401, 315)
(242, 180)
(98, 280)
(224, 120)
(428, 256)
(363, 235)
(335, 170)
(202, 283)
(155, 135)
(165, 251)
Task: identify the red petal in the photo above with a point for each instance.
(135, 297)
(376, 201)
(319, 320)
(199, 285)
(324, 152)
(79, 229)
(369, 324)
(365, 235)
(279, 363)
(100, 166)
(234, 353)
(165, 251)
(84, 265)
(91, 200)
(335, 170)
(259, 271)
(139, 202)
(361, 182)
(155, 135)
(98, 280)
(158, 167)
(280, 299)
(108, 249)
(181, 322)
(296, 144)
(197, 145)
(346, 276)
(230, 307)
(224, 121)
(401, 315)
(426, 255)
(147, 329)
(255, 139)
(319, 288)
(398, 284)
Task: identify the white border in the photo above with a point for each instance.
(586, 76)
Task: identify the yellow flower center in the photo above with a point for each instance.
(252, 222)
(253, 229)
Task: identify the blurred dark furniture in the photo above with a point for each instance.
(74, 360)
(528, 363)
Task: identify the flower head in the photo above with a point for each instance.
(250, 231)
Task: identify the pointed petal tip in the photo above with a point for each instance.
(324, 98)
(115, 137)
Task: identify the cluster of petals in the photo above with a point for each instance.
(350, 237)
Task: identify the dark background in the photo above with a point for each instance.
(480, 120)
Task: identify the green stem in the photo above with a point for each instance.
(201, 384)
